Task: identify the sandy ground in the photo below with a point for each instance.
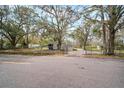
(60, 71)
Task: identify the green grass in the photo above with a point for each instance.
(119, 51)
(32, 52)
(103, 56)
(89, 48)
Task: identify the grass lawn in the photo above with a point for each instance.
(119, 51)
(89, 48)
(103, 56)
(36, 51)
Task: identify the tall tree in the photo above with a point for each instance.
(115, 22)
(82, 33)
(58, 20)
(4, 11)
(25, 17)
(111, 20)
(12, 33)
(98, 13)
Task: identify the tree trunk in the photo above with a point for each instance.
(1, 26)
(81, 44)
(13, 45)
(84, 47)
(1, 43)
(111, 44)
(27, 39)
(85, 42)
(59, 44)
(104, 40)
(104, 30)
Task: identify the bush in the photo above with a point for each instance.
(32, 52)
(74, 49)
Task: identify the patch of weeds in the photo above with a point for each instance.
(103, 56)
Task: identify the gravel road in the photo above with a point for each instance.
(17, 71)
